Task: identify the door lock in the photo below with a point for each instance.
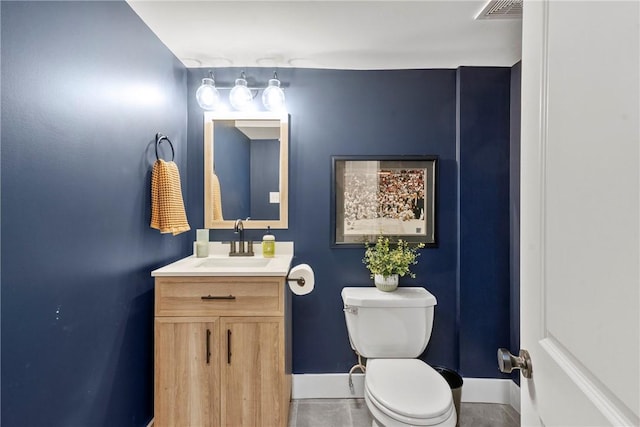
(508, 362)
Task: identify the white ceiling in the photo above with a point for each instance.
(332, 34)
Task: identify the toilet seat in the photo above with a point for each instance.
(409, 392)
(383, 419)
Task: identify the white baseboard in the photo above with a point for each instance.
(326, 386)
(487, 390)
(515, 396)
(336, 386)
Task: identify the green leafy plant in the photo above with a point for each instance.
(382, 258)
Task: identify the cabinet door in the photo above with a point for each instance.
(187, 381)
(252, 370)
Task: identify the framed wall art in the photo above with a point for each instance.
(393, 196)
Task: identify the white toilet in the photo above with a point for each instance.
(391, 329)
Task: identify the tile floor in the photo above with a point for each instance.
(354, 413)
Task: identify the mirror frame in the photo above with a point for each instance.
(209, 124)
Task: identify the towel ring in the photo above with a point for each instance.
(159, 138)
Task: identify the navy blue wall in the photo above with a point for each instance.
(264, 178)
(514, 211)
(387, 113)
(483, 144)
(81, 102)
(234, 179)
(85, 87)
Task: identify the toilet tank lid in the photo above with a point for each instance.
(401, 297)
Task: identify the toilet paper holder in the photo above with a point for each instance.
(300, 280)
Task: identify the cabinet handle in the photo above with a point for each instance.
(208, 346)
(228, 346)
(228, 297)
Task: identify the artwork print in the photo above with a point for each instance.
(391, 197)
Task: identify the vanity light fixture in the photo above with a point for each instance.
(207, 95)
(273, 95)
(241, 95)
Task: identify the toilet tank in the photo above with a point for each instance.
(388, 324)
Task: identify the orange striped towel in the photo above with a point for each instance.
(215, 198)
(167, 207)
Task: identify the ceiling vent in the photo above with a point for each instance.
(501, 9)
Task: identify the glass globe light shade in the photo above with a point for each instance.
(273, 96)
(207, 95)
(240, 96)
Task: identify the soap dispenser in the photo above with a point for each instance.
(268, 244)
(202, 243)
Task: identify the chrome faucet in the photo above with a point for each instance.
(243, 249)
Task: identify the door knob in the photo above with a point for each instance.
(508, 362)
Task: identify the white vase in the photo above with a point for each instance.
(386, 283)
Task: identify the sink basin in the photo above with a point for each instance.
(235, 262)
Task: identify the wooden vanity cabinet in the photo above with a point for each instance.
(186, 383)
(222, 351)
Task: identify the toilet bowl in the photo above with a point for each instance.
(391, 329)
(407, 392)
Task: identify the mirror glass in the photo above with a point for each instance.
(246, 169)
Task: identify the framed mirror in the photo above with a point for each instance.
(246, 169)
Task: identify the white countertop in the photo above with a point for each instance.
(217, 263)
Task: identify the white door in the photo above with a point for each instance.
(580, 218)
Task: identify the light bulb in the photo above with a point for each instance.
(240, 96)
(273, 96)
(207, 95)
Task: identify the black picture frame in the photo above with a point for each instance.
(393, 196)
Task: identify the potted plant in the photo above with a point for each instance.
(386, 262)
